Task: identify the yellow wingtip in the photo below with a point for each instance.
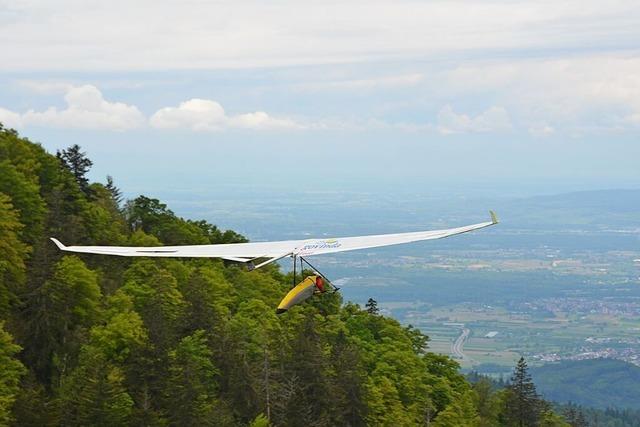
(494, 217)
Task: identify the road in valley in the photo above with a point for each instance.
(458, 344)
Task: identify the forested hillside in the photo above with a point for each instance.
(97, 340)
(598, 383)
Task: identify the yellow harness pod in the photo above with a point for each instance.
(301, 292)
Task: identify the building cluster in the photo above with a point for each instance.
(584, 306)
(630, 355)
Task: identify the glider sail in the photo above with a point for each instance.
(273, 251)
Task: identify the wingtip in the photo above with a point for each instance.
(58, 244)
(494, 217)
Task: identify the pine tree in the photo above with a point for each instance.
(581, 420)
(372, 306)
(574, 416)
(116, 194)
(523, 406)
(78, 163)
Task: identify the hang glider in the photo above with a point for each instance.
(269, 252)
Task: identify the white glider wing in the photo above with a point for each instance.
(324, 246)
(246, 252)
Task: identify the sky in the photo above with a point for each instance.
(537, 97)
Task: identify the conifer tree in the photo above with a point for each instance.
(56, 315)
(523, 406)
(372, 306)
(116, 194)
(581, 421)
(569, 413)
(574, 416)
(78, 163)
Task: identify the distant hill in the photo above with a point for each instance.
(603, 209)
(597, 383)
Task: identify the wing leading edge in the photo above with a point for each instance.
(246, 252)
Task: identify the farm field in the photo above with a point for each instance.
(498, 337)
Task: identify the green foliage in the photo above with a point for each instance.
(551, 419)
(600, 383)
(103, 219)
(192, 386)
(523, 406)
(210, 297)
(385, 407)
(153, 217)
(94, 393)
(25, 198)
(10, 372)
(78, 164)
(58, 314)
(461, 412)
(254, 336)
(260, 421)
(610, 417)
(487, 403)
(116, 194)
(13, 254)
(372, 306)
(123, 332)
(33, 406)
(155, 295)
(419, 341)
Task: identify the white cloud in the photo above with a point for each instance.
(574, 94)
(261, 120)
(555, 65)
(86, 109)
(195, 114)
(494, 119)
(386, 82)
(634, 118)
(10, 119)
(206, 115)
(45, 87)
(541, 130)
(192, 34)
